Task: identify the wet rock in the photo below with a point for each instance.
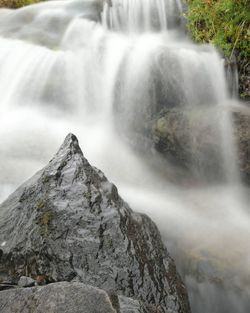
(242, 136)
(190, 138)
(244, 77)
(238, 75)
(68, 223)
(193, 139)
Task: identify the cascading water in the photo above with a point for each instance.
(104, 70)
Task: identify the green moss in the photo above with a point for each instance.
(88, 195)
(15, 4)
(224, 23)
(45, 179)
(40, 204)
(45, 218)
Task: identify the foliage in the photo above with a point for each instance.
(15, 4)
(224, 23)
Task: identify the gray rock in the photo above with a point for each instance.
(25, 281)
(242, 135)
(56, 298)
(65, 297)
(69, 223)
(128, 305)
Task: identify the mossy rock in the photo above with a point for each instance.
(189, 138)
(193, 140)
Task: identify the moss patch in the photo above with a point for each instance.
(45, 218)
(15, 4)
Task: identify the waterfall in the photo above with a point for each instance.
(106, 70)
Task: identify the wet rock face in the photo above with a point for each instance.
(69, 223)
(244, 77)
(190, 138)
(242, 135)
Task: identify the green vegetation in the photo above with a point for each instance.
(45, 218)
(15, 4)
(44, 221)
(40, 204)
(224, 23)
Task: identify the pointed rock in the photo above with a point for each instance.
(69, 223)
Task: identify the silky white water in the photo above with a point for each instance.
(99, 69)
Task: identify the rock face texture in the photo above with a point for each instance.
(58, 297)
(68, 223)
(67, 297)
(242, 135)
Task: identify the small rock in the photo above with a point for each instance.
(25, 281)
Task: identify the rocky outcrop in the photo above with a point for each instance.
(68, 223)
(65, 297)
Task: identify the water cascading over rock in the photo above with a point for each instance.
(70, 62)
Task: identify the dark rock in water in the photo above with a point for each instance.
(190, 138)
(69, 223)
(66, 297)
(237, 69)
(193, 139)
(242, 135)
(244, 76)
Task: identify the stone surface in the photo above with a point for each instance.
(242, 136)
(244, 77)
(25, 281)
(65, 297)
(69, 223)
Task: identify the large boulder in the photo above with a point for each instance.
(65, 297)
(68, 222)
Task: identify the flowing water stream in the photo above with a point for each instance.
(102, 69)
